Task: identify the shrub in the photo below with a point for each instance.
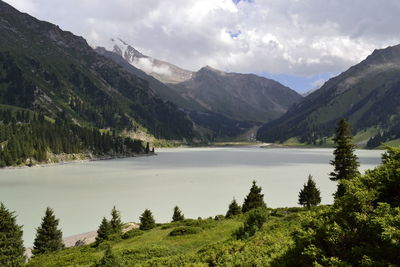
(185, 230)
(254, 222)
(132, 233)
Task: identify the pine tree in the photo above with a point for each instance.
(104, 231)
(254, 199)
(234, 209)
(11, 244)
(109, 259)
(309, 195)
(147, 221)
(177, 216)
(115, 222)
(345, 162)
(48, 237)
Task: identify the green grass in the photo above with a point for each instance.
(392, 143)
(211, 244)
(362, 137)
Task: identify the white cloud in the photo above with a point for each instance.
(148, 66)
(276, 36)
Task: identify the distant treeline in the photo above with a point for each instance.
(27, 137)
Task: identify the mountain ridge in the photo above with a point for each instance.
(237, 96)
(363, 94)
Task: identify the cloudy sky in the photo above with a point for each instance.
(301, 43)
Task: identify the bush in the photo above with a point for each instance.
(254, 222)
(132, 233)
(362, 227)
(185, 230)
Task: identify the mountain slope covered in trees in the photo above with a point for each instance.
(27, 138)
(48, 70)
(367, 95)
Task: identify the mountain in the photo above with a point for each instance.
(243, 97)
(161, 70)
(207, 125)
(221, 104)
(367, 95)
(48, 70)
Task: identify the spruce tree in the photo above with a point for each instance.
(104, 231)
(345, 162)
(48, 237)
(309, 195)
(109, 259)
(234, 209)
(11, 244)
(115, 222)
(177, 216)
(254, 199)
(147, 221)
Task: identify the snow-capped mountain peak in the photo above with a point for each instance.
(161, 70)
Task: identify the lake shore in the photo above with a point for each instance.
(63, 159)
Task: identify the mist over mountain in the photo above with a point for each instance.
(161, 70)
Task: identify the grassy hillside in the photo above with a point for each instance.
(212, 245)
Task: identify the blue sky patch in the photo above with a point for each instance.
(234, 34)
(237, 1)
(301, 84)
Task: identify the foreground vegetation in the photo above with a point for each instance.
(211, 244)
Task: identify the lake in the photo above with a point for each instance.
(201, 181)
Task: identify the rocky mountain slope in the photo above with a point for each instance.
(367, 95)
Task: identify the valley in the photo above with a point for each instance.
(199, 133)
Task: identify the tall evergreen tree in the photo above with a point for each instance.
(104, 231)
(177, 216)
(309, 195)
(234, 209)
(115, 222)
(345, 162)
(48, 237)
(254, 199)
(147, 221)
(11, 244)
